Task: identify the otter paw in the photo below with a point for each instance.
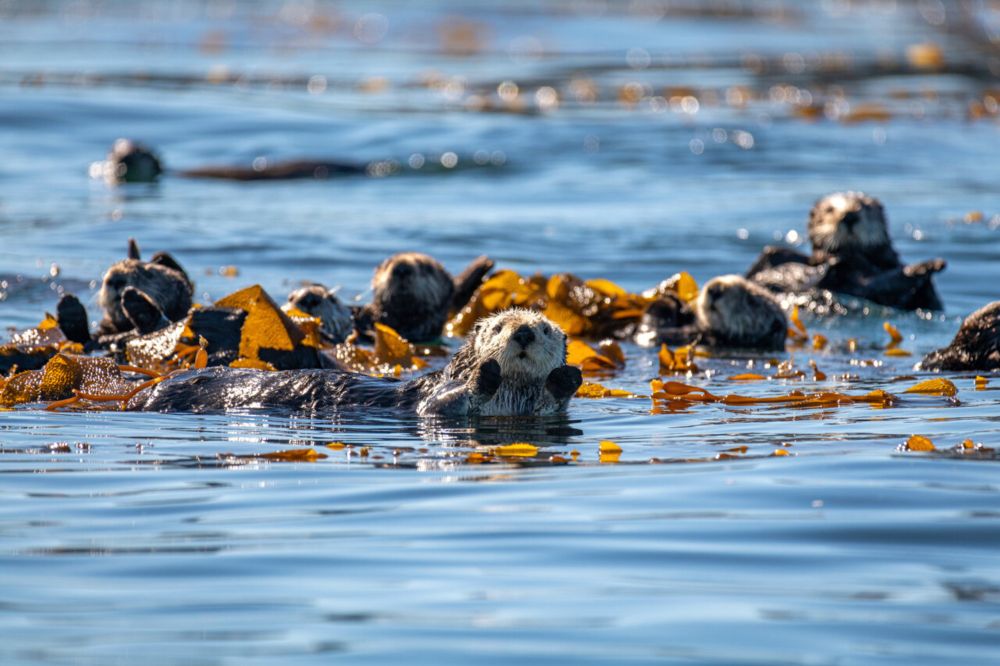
(72, 319)
(564, 381)
(142, 311)
(488, 381)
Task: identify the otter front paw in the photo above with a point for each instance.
(488, 381)
(564, 381)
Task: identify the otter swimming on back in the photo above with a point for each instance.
(513, 364)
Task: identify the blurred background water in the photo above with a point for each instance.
(625, 140)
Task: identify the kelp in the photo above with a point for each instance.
(65, 378)
(32, 348)
(591, 309)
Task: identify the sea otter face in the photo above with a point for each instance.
(734, 312)
(164, 286)
(846, 222)
(320, 302)
(412, 277)
(525, 343)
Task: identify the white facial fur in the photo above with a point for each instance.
(831, 228)
(496, 338)
(318, 301)
(734, 309)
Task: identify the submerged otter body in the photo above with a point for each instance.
(976, 346)
(730, 313)
(133, 162)
(514, 364)
(852, 255)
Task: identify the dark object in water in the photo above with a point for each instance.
(853, 255)
(291, 170)
(72, 318)
(976, 346)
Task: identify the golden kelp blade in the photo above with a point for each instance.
(392, 348)
(935, 386)
(516, 450)
(265, 326)
(63, 375)
(676, 361)
(587, 358)
(895, 337)
(293, 455)
(919, 443)
(595, 390)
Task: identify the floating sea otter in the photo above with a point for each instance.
(976, 346)
(729, 313)
(137, 297)
(853, 255)
(513, 364)
(414, 294)
(133, 162)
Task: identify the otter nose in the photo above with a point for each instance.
(524, 336)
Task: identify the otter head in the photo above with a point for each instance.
(844, 224)
(166, 288)
(732, 312)
(412, 293)
(976, 346)
(525, 344)
(320, 302)
(131, 162)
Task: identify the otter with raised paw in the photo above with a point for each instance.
(413, 294)
(853, 255)
(513, 364)
(143, 296)
(730, 313)
(976, 346)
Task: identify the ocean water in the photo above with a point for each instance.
(622, 140)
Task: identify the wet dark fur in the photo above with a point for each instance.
(874, 273)
(976, 346)
(414, 294)
(472, 383)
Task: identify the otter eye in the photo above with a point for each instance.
(829, 209)
(546, 329)
(498, 328)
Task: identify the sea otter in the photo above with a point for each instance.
(336, 319)
(852, 254)
(413, 294)
(128, 162)
(133, 162)
(976, 346)
(729, 313)
(143, 295)
(513, 364)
